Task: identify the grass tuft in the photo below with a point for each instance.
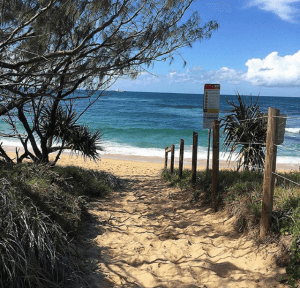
(41, 209)
(33, 248)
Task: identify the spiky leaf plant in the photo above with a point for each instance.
(245, 131)
(68, 134)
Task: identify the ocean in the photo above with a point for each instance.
(144, 123)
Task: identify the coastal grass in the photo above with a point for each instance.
(42, 208)
(242, 189)
(240, 193)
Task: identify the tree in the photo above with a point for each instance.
(65, 133)
(245, 132)
(51, 48)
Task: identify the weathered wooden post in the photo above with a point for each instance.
(194, 157)
(181, 149)
(215, 167)
(166, 157)
(208, 152)
(270, 167)
(172, 158)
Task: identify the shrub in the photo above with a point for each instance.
(245, 133)
(33, 249)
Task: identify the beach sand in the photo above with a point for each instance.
(129, 166)
(152, 235)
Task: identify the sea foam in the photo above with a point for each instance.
(292, 130)
(112, 148)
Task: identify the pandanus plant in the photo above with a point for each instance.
(245, 131)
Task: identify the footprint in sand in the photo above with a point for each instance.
(171, 244)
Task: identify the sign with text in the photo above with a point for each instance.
(211, 100)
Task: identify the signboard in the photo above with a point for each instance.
(281, 123)
(211, 100)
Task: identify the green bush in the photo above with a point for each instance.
(245, 131)
(88, 182)
(41, 208)
(60, 192)
(175, 180)
(33, 248)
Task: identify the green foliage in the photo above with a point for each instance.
(290, 215)
(231, 183)
(245, 133)
(59, 46)
(293, 268)
(63, 128)
(288, 221)
(33, 249)
(293, 226)
(61, 192)
(255, 208)
(50, 49)
(287, 184)
(55, 127)
(242, 225)
(175, 180)
(89, 182)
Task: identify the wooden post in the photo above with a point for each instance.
(270, 167)
(166, 157)
(172, 157)
(181, 157)
(215, 166)
(194, 157)
(208, 150)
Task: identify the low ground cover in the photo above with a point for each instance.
(41, 209)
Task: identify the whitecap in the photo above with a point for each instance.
(292, 130)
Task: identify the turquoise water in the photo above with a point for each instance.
(139, 123)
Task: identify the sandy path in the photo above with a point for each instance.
(150, 235)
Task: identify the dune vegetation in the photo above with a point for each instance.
(43, 208)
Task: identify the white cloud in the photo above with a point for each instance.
(274, 70)
(285, 9)
(197, 75)
(228, 74)
(271, 71)
(171, 74)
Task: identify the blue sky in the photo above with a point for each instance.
(255, 51)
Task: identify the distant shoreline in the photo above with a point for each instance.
(156, 155)
(187, 164)
(107, 160)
